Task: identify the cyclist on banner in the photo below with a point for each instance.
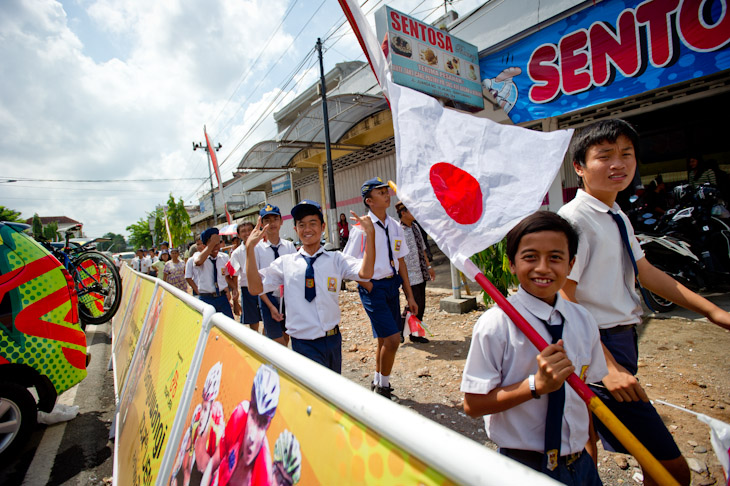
(287, 460)
(202, 438)
(244, 456)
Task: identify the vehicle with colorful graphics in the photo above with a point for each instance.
(42, 345)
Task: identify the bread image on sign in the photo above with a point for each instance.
(428, 56)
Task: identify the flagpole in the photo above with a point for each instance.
(651, 466)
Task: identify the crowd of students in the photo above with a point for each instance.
(577, 271)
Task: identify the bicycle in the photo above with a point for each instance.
(97, 280)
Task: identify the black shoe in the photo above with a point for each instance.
(402, 339)
(373, 386)
(419, 339)
(383, 391)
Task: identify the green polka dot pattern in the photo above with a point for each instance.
(43, 354)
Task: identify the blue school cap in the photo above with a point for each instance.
(207, 234)
(374, 183)
(269, 209)
(297, 210)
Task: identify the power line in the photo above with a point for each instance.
(28, 179)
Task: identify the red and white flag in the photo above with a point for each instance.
(467, 180)
(214, 161)
(169, 235)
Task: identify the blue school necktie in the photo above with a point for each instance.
(556, 405)
(215, 275)
(390, 249)
(625, 238)
(276, 251)
(309, 291)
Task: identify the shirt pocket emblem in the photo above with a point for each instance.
(332, 284)
(397, 245)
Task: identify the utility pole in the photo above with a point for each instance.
(332, 219)
(200, 145)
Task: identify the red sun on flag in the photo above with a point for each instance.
(458, 192)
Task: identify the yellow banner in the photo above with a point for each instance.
(129, 280)
(156, 379)
(126, 339)
(248, 422)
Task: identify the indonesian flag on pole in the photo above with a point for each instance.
(214, 160)
(467, 180)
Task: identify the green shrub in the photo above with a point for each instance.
(494, 264)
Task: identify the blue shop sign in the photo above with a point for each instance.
(609, 51)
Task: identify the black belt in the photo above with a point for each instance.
(333, 332)
(617, 329)
(535, 458)
(384, 278)
(213, 294)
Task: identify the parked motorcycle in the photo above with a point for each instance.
(690, 242)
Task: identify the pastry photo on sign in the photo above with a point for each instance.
(401, 46)
(428, 56)
(452, 65)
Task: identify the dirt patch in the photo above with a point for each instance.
(682, 362)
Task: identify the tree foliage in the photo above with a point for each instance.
(494, 264)
(37, 227)
(116, 245)
(10, 215)
(177, 218)
(140, 234)
(179, 221)
(50, 231)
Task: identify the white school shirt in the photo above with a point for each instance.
(136, 264)
(265, 255)
(145, 264)
(356, 245)
(602, 268)
(189, 264)
(304, 319)
(500, 355)
(238, 262)
(203, 274)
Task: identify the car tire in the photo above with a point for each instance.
(18, 419)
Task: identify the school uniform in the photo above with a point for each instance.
(251, 314)
(189, 274)
(212, 285)
(266, 253)
(606, 287)
(145, 264)
(500, 355)
(382, 303)
(136, 264)
(313, 325)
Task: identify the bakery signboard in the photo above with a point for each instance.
(428, 59)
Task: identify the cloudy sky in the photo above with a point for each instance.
(118, 89)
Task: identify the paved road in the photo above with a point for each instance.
(75, 452)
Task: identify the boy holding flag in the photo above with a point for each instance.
(608, 262)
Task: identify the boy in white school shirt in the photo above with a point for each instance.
(311, 279)
(273, 312)
(505, 378)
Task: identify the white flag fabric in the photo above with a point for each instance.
(467, 180)
(720, 439)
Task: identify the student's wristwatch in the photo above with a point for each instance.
(533, 390)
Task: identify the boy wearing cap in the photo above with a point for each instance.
(311, 280)
(209, 265)
(267, 251)
(190, 275)
(380, 296)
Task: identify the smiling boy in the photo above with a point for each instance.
(505, 382)
(311, 279)
(603, 279)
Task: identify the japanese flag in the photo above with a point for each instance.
(720, 439)
(467, 180)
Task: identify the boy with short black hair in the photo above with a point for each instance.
(311, 279)
(250, 312)
(609, 260)
(212, 283)
(267, 250)
(504, 381)
(380, 296)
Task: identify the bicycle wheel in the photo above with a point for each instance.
(98, 285)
